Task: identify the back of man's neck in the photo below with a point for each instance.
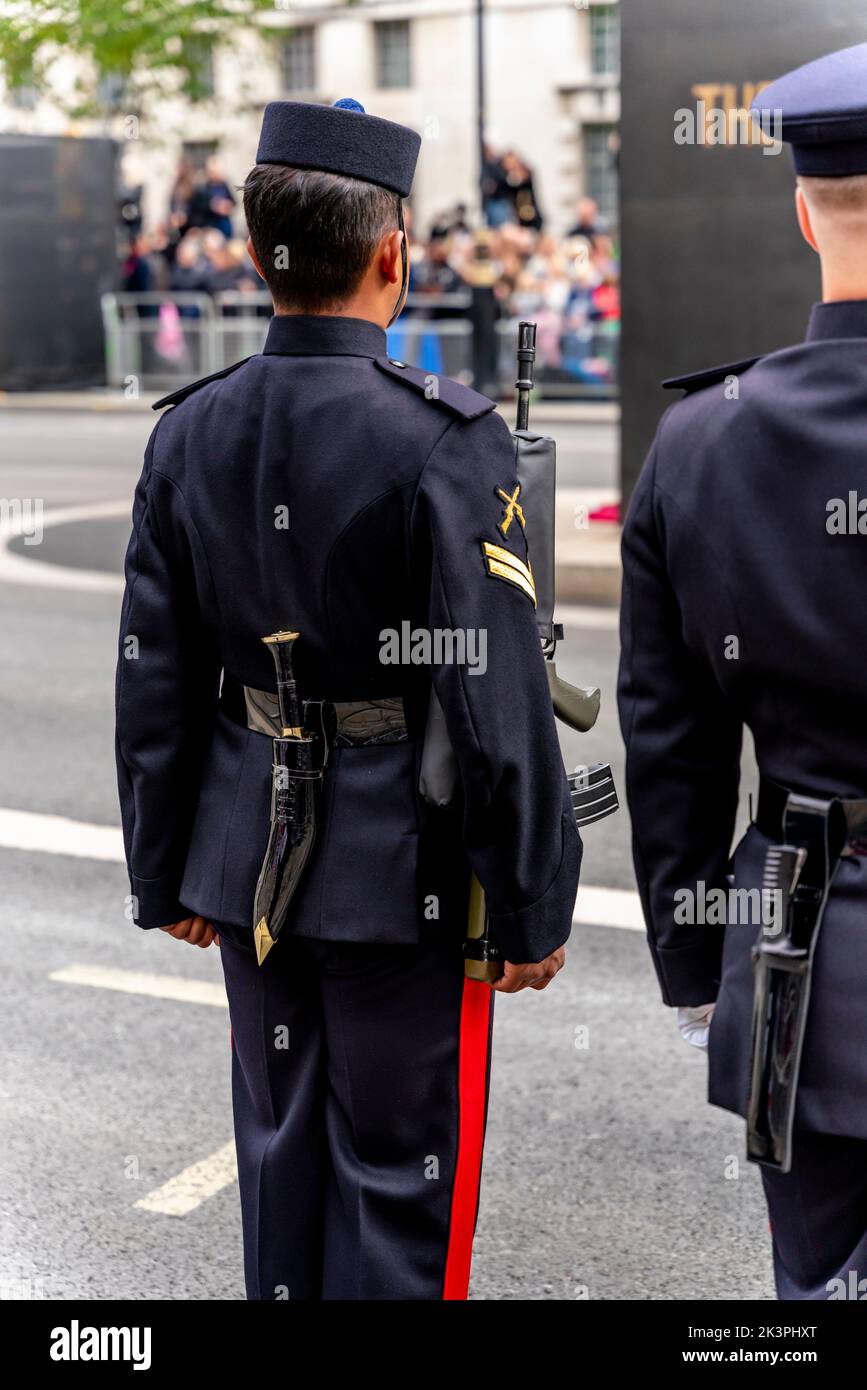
(345, 311)
(838, 286)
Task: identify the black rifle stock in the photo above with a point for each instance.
(592, 791)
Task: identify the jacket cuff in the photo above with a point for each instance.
(156, 902)
(535, 931)
(690, 975)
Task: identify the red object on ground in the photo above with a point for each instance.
(611, 512)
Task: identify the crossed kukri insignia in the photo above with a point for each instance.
(504, 564)
(513, 508)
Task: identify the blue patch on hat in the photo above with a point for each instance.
(350, 104)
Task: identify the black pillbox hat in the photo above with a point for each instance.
(339, 139)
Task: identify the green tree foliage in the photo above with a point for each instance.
(128, 50)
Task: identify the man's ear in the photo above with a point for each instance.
(253, 257)
(389, 256)
(804, 219)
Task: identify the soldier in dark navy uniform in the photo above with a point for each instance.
(745, 604)
(324, 487)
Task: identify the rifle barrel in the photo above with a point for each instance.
(524, 384)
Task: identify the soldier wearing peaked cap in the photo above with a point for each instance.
(745, 605)
(329, 500)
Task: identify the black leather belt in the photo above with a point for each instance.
(359, 723)
(772, 806)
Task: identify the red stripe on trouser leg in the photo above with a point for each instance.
(472, 1085)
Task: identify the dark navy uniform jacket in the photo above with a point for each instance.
(727, 537)
(321, 487)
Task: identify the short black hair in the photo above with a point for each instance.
(315, 233)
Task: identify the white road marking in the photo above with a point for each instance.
(16, 568)
(596, 907)
(608, 907)
(34, 830)
(194, 1185)
(187, 1190)
(26, 569)
(177, 987)
(39, 832)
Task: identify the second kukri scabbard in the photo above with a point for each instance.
(797, 878)
(299, 759)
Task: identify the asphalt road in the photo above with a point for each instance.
(606, 1174)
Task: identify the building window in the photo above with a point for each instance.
(298, 60)
(604, 39)
(199, 65)
(197, 152)
(391, 37)
(111, 91)
(600, 168)
(24, 97)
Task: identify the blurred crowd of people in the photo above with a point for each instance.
(193, 249)
(569, 285)
(508, 191)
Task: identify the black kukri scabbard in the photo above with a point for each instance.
(797, 878)
(300, 755)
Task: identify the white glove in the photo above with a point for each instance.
(694, 1024)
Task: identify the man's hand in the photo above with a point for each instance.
(195, 930)
(536, 975)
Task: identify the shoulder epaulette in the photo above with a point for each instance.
(695, 381)
(183, 391)
(460, 400)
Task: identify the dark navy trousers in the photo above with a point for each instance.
(818, 1214)
(359, 1082)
